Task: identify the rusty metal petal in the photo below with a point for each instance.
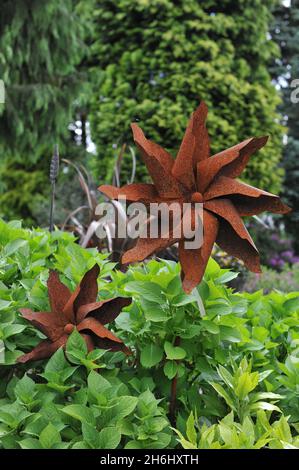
(194, 262)
(93, 325)
(135, 192)
(105, 311)
(225, 209)
(145, 247)
(90, 343)
(194, 148)
(159, 164)
(58, 293)
(237, 239)
(247, 199)
(236, 167)
(112, 346)
(229, 241)
(230, 162)
(86, 292)
(43, 350)
(224, 186)
(246, 206)
(49, 323)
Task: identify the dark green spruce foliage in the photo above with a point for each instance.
(41, 43)
(159, 57)
(286, 33)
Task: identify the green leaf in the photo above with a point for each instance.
(262, 405)
(226, 376)
(96, 354)
(153, 311)
(91, 436)
(76, 348)
(97, 384)
(11, 330)
(80, 412)
(57, 362)
(170, 369)
(125, 406)
(246, 383)
(230, 334)
(49, 437)
(226, 277)
(4, 304)
(174, 352)
(147, 290)
(109, 438)
(220, 390)
(151, 355)
(25, 390)
(183, 299)
(190, 429)
(291, 305)
(211, 327)
(14, 246)
(30, 443)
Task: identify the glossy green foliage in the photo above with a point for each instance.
(69, 408)
(235, 356)
(230, 434)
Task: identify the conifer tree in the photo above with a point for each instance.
(158, 58)
(41, 44)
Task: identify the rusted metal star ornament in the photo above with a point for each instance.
(78, 310)
(195, 176)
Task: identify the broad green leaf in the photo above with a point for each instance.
(4, 304)
(170, 369)
(76, 348)
(246, 383)
(219, 389)
(230, 334)
(151, 355)
(147, 290)
(174, 352)
(190, 429)
(97, 384)
(153, 311)
(25, 390)
(49, 437)
(30, 443)
(14, 246)
(91, 435)
(109, 438)
(210, 326)
(262, 405)
(80, 412)
(226, 277)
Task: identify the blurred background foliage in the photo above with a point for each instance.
(78, 72)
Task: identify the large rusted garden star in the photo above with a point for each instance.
(78, 310)
(195, 176)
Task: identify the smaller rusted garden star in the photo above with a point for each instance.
(78, 310)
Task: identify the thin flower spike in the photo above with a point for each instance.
(195, 176)
(78, 310)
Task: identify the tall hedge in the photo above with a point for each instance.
(158, 58)
(286, 33)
